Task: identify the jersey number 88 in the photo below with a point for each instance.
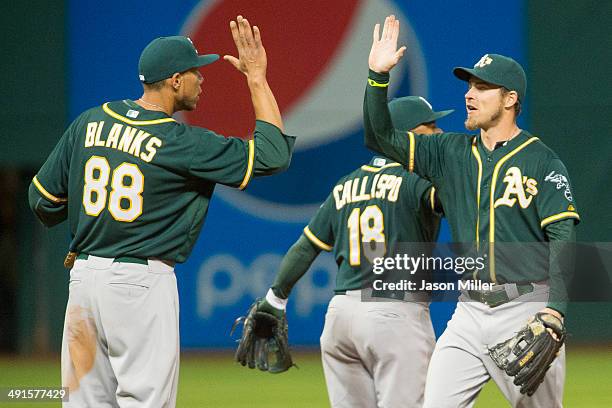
(97, 176)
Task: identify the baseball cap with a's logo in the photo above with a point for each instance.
(165, 56)
(497, 70)
(411, 111)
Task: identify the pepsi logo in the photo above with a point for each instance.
(317, 67)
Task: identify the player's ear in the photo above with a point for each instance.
(510, 98)
(177, 81)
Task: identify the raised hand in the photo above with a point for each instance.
(384, 54)
(252, 60)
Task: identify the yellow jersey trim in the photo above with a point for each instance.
(117, 116)
(251, 160)
(492, 206)
(557, 217)
(316, 240)
(372, 82)
(47, 194)
(432, 195)
(411, 153)
(377, 169)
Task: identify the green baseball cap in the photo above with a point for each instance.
(411, 111)
(165, 56)
(497, 70)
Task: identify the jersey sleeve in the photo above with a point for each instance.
(426, 154)
(424, 193)
(379, 134)
(422, 154)
(225, 160)
(555, 200)
(51, 181)
(319, 230)
(273, 149)
(233, 161)
(49, 213)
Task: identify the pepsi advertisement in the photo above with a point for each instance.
(317, 68)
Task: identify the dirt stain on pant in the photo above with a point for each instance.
(81, 335)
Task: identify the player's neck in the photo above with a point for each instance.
(156, 102)
(501, 132)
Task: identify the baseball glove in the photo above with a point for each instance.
(528, 355)
(264, 343)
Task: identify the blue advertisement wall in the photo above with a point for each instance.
(317, 52)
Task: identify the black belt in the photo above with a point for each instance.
(500, 294)
(406, 296)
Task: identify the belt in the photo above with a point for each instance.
(126, 259)
(500, 294)
(370, 295)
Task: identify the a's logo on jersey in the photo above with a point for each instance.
(485, 60)
(571, 208)
(560, 182)
(517, 188)
(321, 100)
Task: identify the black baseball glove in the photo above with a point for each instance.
(528, 355)
(264, 343)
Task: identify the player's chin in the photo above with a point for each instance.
(471, 124)
(191, 105)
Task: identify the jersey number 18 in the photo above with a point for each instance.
(366, 227)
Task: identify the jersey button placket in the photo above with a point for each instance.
(484, 197)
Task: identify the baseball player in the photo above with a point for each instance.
(374, 354)
(502, 185)
(135, 185)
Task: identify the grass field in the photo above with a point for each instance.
(213, 380)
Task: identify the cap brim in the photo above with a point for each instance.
(207, 59)
(441, 114)
(465, 74)
(462, 73)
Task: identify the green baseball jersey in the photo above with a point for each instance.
(508, 195)
(138, 183)
(369, 212)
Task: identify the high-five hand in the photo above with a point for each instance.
(384, 54)
(252, 60)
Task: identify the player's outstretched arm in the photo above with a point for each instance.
(252, 62)
(379, 133)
